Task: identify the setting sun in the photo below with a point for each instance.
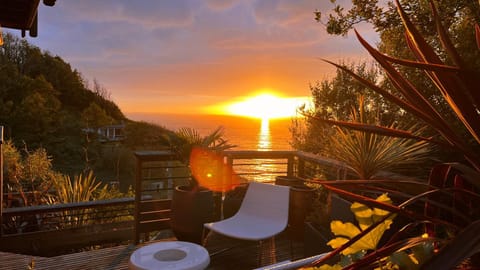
(267, 106)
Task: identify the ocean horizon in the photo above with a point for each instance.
(244, 132)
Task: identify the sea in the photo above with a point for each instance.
(245, 133)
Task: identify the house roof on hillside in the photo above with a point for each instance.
(21, 14)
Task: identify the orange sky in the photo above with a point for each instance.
(185, 56)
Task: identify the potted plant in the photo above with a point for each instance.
(193, 204)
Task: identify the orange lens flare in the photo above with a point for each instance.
(211, 172)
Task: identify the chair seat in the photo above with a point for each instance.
(262, 214)
(241, 227)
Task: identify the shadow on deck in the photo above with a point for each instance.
(225, 253)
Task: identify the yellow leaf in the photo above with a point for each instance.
(366, 217)
(344, 229)
(379, 212)
(371, 239)
(361, 210)
(337, 242)
(384, 198)
(329, 267)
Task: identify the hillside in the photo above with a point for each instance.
(45, 103)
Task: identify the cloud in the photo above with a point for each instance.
(144, 13)
(284, 12)
(221, 5)
(157, 54)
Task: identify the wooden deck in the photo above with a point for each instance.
(225, 253)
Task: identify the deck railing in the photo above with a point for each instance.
(34, 229)
(266, 165)
(48, 229)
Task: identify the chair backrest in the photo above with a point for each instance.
(266, 201)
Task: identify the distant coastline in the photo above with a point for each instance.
(244, 132)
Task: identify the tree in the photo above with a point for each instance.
(457, 18)
(42, 99)
(37, 117)
(29, 173)
(335, 99)
(93, 118)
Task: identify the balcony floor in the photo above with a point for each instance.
(225, 253)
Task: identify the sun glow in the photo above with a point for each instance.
(267, 106)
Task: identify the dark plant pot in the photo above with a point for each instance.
(288, 181)
(316, 239)
(191, 208)
(233, 200)
(301, 200)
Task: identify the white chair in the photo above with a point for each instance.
(262, 214)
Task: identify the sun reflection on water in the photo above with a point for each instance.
(264, 139)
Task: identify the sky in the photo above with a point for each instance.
(188, 56)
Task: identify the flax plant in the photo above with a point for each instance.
(368, 154)
(82, 188)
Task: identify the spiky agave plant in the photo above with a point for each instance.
(368, 154)
(458, 214)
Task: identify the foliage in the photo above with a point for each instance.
(143, 135)
(184, 140)
(355, 241)
(365, 217)
(457, 20)
(84, 188)
(30, 174)
(457, 85)
(413, 100)
(41, 101)
(94, 117)
(81, 189)
(334, 99)
(368, 154)
(321, 204)
(45, 103)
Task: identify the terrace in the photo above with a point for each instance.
(103, 234)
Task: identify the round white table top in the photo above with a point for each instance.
(176, 255)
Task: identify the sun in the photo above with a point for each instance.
(267, 106)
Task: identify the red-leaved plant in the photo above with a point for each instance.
(446, 206)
